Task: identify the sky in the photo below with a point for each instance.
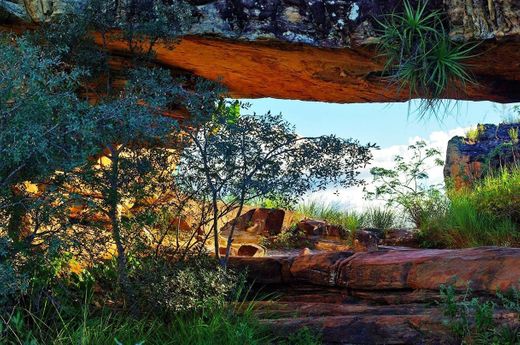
(389, 125)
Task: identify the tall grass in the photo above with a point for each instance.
(378, 218)
(215, 327)
(223, 326)
(486, 214)
(333, 214)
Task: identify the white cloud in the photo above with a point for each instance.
(353, 198)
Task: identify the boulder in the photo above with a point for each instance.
(319, 228)
(485, 270)
(401, 238)
(257, 222)
(253, 250)
(319, 269)
(331, 246)
(365, 241)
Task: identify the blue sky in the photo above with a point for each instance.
(387, 125)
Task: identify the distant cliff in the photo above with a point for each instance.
(493, 147)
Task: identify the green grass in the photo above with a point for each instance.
(473, 134)
(333, 214)
(471, 319)
(486, 214)
(225, 326)
(378, 218)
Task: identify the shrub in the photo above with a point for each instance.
(192, 284)
(13, 284)
(405, 185)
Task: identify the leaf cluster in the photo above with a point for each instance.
(421, 57)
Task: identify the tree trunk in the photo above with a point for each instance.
(17, 212)
(215, 225)
(122, 267)
(231, 233)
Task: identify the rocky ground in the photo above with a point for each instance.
(372, 291)
(382, 297)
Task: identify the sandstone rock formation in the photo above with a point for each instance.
(486, 269)
(467, 161)
(377, 298)
(257, 222)
(316, 50)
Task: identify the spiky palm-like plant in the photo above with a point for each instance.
(421, 57)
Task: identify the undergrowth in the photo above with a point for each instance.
(488, 213)
(471, 319)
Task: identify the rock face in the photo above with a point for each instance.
(319, 49)
(258, 221)
(468, 161)
(486, 269)
(401, 238)
(380, 297)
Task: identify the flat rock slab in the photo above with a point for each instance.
(362, 323)
(485, 270)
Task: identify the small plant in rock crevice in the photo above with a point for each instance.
(471, 319)
(421, 57)
(473, 134)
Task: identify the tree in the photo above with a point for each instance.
(253, 156)
(405, 184)
(136, 164)
(44, 125)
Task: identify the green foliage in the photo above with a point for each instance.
(272, 202)
(213, 327)
(13, 283)
(513, 135)
(474, 134)
(420, 55)
(261, 156)
(214, 323)
(471, 319)
(44, 126)
(498, 194)
(404, 185)
(381, 218)
(194, 284)
(486, 214)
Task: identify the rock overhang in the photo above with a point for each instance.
(319, 50)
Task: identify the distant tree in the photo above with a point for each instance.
(252, 156)
(406, 183)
